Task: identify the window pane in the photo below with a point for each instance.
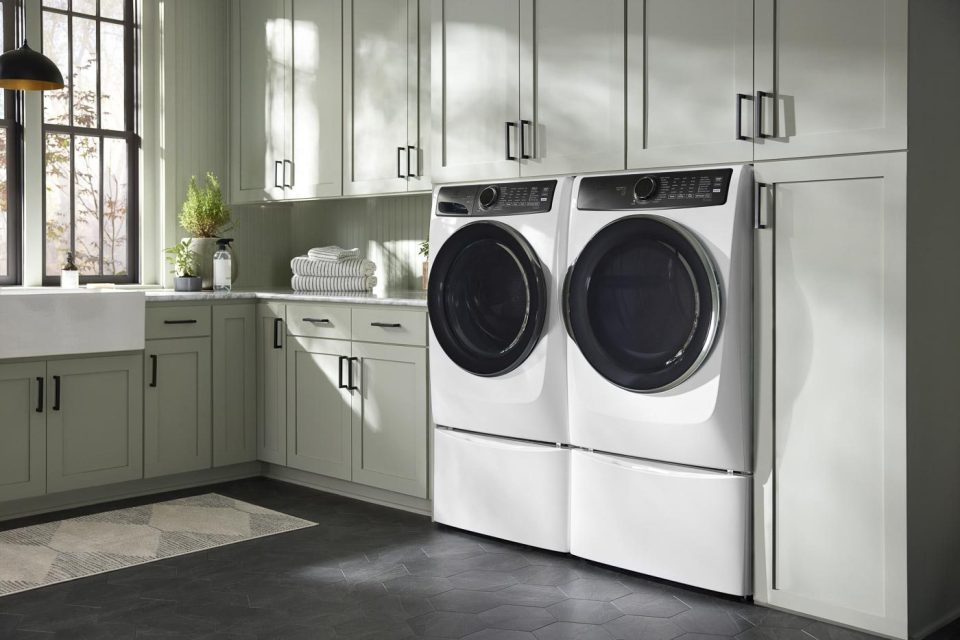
(4, 256)
(56, 104)
(57, 201)
(3, 94)
(84, 72)
(86, 203)
(115, 208)
(111, 9)
(85, 6)
(56, 4)
(111, 83)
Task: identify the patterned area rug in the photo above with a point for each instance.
(64, 550)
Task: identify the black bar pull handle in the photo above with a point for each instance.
(523, 139)
(317, 320)
(758, 223)
(759, 125)
(56, 393)
(391, 325)
(507, 139)
(153, 369)
(277, 170)
(400, 151)
(39, 394)
(277, 324)
(340, 384)
(416, 155)
(179, 322)
(288, 184)
(740, 98)
(350, 384)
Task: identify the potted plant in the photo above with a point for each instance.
(425, 252)
(204, 215)
(183, 259)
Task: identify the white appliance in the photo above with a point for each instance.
(497, 360)
(658, 307)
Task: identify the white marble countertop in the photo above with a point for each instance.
(394, 297)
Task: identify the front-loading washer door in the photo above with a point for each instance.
(642, 303)
(487, 298)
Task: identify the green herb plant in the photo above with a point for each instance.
(182, 258)
(204, 213)
(425, 249)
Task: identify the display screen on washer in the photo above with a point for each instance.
(668, 190)
(510, 198)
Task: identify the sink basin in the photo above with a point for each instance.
(36, 323)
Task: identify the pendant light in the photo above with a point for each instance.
(28, 70)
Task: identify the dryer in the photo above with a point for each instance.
(497, 359)
(657, 302)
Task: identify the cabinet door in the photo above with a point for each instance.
(22, 430)
(272, 387)
(375, 74)
(837, 74)
(475, 89)
(418, 94)
(94, 421)
(314, 91)
(318, 406)
(234, 367)
(831, 481)
(177, 430)
(572, 77)
(687, 61)
(261, 51)
(390, 418)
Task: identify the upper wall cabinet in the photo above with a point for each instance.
(287, 99)
(386, 117)
(526, 88)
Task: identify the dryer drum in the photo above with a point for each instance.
(487, 298)
(643, 303)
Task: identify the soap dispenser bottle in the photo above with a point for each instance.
(222, 265)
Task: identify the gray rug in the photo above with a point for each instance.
(64, 550)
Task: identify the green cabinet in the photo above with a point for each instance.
(272, 387)
(234, 345)
(94, 421)
(22, 430)
(177, 423)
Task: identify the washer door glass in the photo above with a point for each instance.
(643, 303)
(487, 298)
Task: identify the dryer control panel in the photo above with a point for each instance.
(504, 199)
(667, 190)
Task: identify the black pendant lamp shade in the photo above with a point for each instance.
(28, 70)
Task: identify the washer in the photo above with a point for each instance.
(657, 303)
(497, 359)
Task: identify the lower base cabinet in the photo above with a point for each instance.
(23, 430)
(94, 413)
(272, 385)
(234, 360)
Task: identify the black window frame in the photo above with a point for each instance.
(12, 121)
(130, 134)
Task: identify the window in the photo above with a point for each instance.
(11, 153)
(91, 145)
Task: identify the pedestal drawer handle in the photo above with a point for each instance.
(179, 322)
(389, 325)
(317, 320)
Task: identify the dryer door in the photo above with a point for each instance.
(642, 302)
(487, 298)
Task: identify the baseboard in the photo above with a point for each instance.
(935, 626)
(134, 488)
(349, 489)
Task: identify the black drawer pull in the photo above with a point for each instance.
(153, 369)
(179, 322)
(39, 394)
(56, 393)
(277, 322)
(389, 325)
(340, 362)
(350, 385)
(317, 320)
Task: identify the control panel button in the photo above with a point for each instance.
(488, 197)
(645, 188)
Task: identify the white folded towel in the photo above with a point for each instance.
(333, 252)
(333, 283)
(305, 266)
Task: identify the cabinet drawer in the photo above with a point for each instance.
(379, 324)
(318, 321)
(177, 322)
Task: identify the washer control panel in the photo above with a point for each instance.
(502, 199)
(667, 190)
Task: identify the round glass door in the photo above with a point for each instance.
(487, 298)
(642, 303)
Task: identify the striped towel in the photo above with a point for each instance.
(333, 283)
(333, 252)
(304, 266)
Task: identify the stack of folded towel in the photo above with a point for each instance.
(333, 269)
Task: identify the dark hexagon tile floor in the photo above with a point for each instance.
(372, 573)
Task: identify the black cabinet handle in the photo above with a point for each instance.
(179, 322)
(340, 384)
(277, 323)
(523, 139)
(350, 385)
(416, 154)
(317, 320)
(507, 139)
(391, 325)
(757, 199)
(740, 98)
(56, 393)
(286, 184)
(153, 369)
(277, 170)
(400, 151)
(39, 394)
(759, 126)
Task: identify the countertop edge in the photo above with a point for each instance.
(398, 298)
